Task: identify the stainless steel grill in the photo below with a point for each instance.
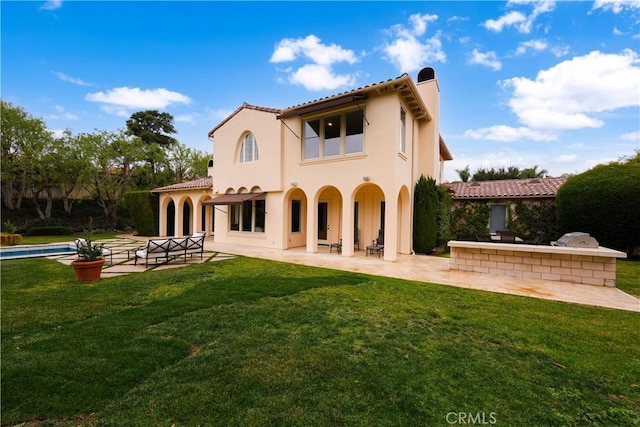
(576, 240)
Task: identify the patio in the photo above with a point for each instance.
(411, 267)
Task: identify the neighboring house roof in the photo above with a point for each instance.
(194, 184)
(510, 188)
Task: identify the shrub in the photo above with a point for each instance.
(144, 211)
(425, 213)
(51, 230)
(604, 202)
(470, 219)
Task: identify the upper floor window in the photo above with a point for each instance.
(334, 135)
(403, 131)
(249, 149)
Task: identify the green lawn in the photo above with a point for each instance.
(248, 342)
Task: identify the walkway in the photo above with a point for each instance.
(410, 267)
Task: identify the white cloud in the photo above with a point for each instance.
(488, 59)
(419, 23)
(319, 74)
(537, 45)
(69, 79)
(631, 136)
(569, 94)
(519, 20)
(311, 47)
(61, 113)
(51, 5)
(502, 133)
(192, 119)
(407, 51)
(320, 77)
(119, 101)
(616, 6)
(510, 19)
(565, 158)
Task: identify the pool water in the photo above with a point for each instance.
(32, 251)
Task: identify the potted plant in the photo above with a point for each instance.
(9, 237)
(88, 266)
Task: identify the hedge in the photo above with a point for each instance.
(144, 210)
(604, 202)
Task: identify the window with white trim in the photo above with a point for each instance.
(249, 149)
(334, 136)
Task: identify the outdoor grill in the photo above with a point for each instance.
(576, 240)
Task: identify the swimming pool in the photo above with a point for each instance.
(32, 251)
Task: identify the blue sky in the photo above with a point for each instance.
(548, 83)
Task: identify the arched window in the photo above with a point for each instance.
(249, 149)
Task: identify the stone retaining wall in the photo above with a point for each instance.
(576, 265)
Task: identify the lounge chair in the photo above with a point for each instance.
(377, 245)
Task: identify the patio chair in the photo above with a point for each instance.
(507, 236)
(537, 240)
(377, 245)
(336, 246)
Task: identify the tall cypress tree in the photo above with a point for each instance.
(425, 213)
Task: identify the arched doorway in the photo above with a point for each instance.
(171, 219)
(186, 218)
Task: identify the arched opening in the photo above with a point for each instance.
(171, 219)
(369, 206)
(186, 218)
(295, 218)
(328, 216)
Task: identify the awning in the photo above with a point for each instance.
(232, 199)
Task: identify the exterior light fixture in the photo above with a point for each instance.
(294, 183)
(366, 178)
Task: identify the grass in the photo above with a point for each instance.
(249, 342)
(628, 276)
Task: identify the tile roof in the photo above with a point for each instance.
(204, 183)
(510, 188)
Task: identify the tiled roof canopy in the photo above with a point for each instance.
(510, 188)
(203, 183)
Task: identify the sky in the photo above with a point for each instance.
(549, 83)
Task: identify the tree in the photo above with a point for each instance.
(425, 213)
(23, 140)
(603, 201)
(464, 174)
(512, 172)
(152, 127)
(69, 164)
(112, 157)
(533, 172)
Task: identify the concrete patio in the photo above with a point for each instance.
(412, 267)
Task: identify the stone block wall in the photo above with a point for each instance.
(594, 269)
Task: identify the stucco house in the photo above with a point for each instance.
(342, 167)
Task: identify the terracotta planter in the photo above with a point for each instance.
(88, 271)
(10, 239)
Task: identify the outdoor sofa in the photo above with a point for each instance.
(170, 248)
